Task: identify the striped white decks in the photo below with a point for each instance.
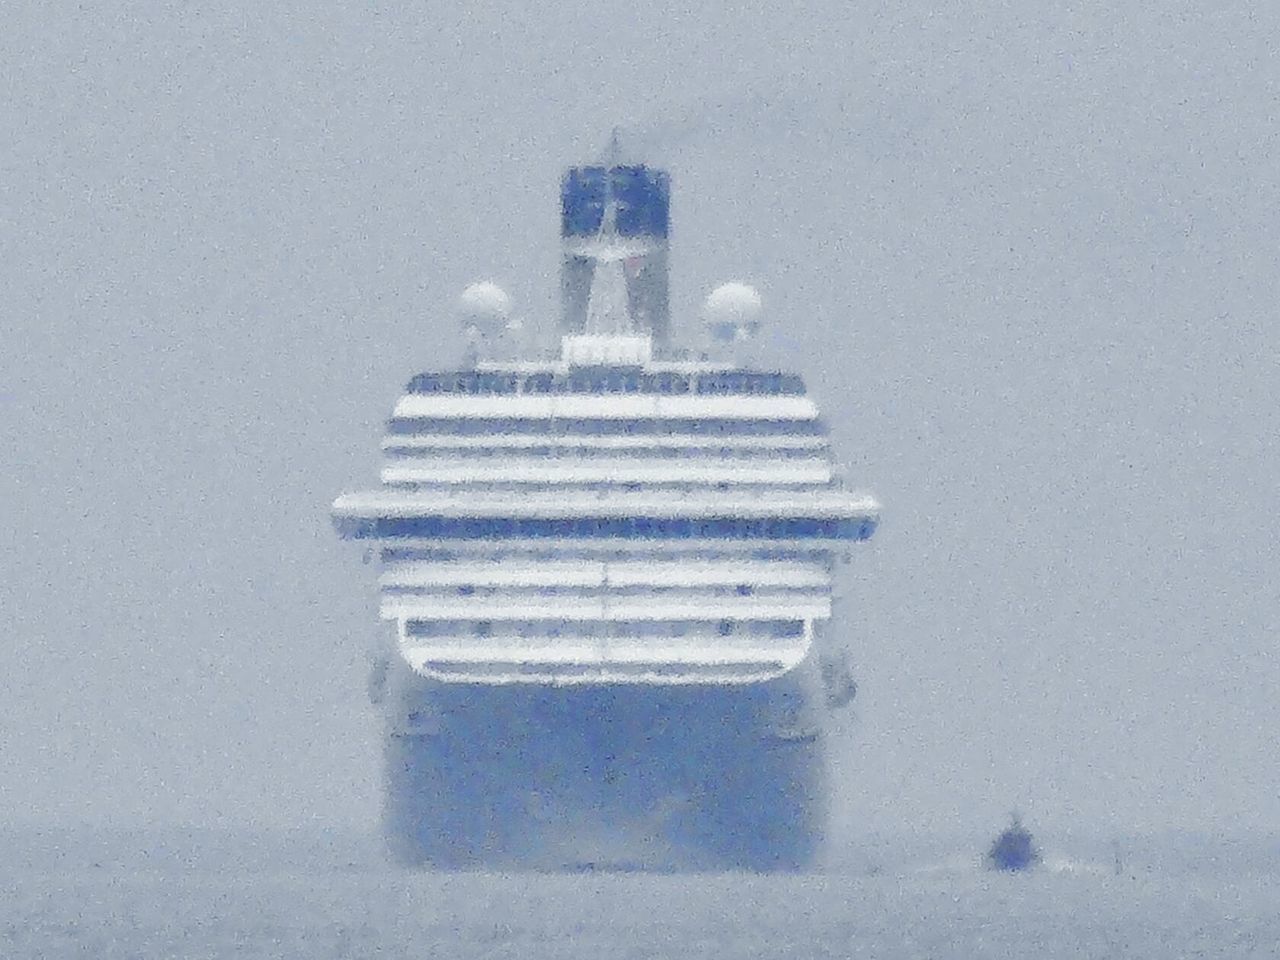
(607, 407)
(477, 501)
(555, 552)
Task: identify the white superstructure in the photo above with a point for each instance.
(667, 522)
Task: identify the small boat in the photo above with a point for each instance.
(1014, 850)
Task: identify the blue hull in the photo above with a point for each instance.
(606, 777)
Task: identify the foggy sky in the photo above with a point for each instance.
(1025, 256)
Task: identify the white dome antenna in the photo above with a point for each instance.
(732, 313)
(484, 310)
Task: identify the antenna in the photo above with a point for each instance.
(613, 152)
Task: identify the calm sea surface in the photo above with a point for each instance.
(946, 909)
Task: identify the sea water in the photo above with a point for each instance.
(1161, 907)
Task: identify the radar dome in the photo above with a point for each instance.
(484, 309)
(732, 312)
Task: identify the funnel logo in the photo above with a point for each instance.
(630, 204)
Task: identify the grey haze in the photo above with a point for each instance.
(1025, 255)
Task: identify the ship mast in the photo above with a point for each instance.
(609, 303)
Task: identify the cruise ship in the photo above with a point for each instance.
(607, 570)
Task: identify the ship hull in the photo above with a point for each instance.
(622, 776)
